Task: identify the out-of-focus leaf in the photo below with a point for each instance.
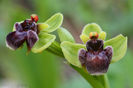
(70, 51)
(120, 74)
(65, 35)
(93, 27)
(45, 40)
(119, 45)
(54, 22)
(76, 81)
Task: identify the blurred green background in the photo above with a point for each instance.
(44, 70)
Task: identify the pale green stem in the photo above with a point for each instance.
(106, 81)
(55, 49)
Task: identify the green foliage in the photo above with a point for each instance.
(33, 70)
(120, 74)
(70, 51)
(119, 45)
(54, 22)
(64, 35)
(45, 40)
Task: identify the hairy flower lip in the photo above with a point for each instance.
(15, 39)
(26, 31)
(32, 38)
(95, 59)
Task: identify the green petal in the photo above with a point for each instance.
(102, 35)
(84, 38)
(70, 51)
(42, 26)
(65, 35)
(119, 45)
(93, 27)
(54, 22)
(45, 40)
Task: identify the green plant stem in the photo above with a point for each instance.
(55, 49)
(89, 78)
(95, 81)
(106, 81)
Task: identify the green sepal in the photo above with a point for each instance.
(119, 45)
(65, 35)
(54, 22)
(93, 27)
(70, 51)
(45, 40)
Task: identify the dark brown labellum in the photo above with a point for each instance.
(25, 31)
(31, 39)
(96, 59)
(15, 39)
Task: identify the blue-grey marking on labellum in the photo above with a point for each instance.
(24, 32)
(95, 59)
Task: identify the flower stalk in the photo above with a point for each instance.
(55, 49)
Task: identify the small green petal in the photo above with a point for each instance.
(65, 35)
(102, 35)
(93, 27)
(119, 45)
(84, 38)
(54, 22)
(45, 40)
(70, 51)
(42, 26)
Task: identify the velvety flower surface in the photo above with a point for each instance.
(36, 35)
(96, 53)
(95, 59)
(24, 32)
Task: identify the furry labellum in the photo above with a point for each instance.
(96, 59)
(25, 31)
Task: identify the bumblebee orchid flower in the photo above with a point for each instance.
(96, 53)
(34, 34)
(95, 59)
